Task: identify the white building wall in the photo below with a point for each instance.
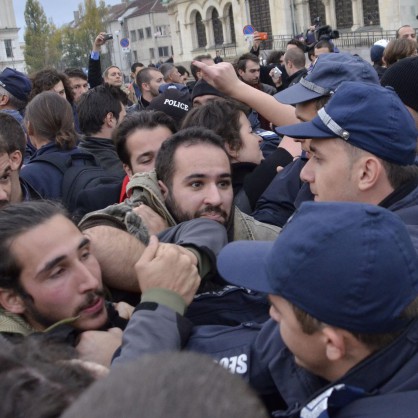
(396, 13)
(10, 57)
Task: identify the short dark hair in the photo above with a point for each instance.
(95, 104)
(75, 72)
(46, 79)
(41, 377)
(220, 116)
(296, 56)
(397, 175)
(199, 58)
(51, 117)
(145, 76)
(375, 342)
(12, 136)
(242, 61)
(325, 44)
(182, 70)
(135, 65)
(147, 119)
(164, 163)
(16, 219)
(297, 43)
(274, 57)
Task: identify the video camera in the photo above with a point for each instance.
(326, 33)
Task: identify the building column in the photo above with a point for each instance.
(358, 18)
(209, 33)
(330, 13)
(303, 19)
(225, 30)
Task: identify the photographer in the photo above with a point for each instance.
(112, 75)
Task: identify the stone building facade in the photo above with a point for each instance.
(202, 26)
(11, 54)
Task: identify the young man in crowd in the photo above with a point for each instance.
(78, 82)
(99, 114)
(194, 182)
(51, 282)
(358, 154)
(149, 81)
(286, 191)
(13, 189)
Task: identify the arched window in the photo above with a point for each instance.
(317, 12)
(345, 13)
(371, 13)
(201, 32)
(260, 18)
(217, 28)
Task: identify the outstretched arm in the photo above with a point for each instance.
(223, 77)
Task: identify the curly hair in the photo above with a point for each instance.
(220, 116)
(46, 79)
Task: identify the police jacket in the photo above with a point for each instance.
(283, 196)
(156, 328)
(404, 202)
(384, 384)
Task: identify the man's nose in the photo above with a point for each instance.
(213, 195)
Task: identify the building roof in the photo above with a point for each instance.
(135, 8)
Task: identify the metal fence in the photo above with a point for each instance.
(227, 50)
(346, 39)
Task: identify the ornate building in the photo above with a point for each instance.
(11, 54)
(202, 26)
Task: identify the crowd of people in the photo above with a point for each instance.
(260, 218)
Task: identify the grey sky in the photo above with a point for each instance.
(61, 11)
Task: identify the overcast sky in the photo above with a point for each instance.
(61, 11)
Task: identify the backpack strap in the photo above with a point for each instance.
(63, 164)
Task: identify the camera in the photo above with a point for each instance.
(326, 33)
(263, 36)
(276, 72)
(107, 36)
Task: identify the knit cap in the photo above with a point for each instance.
(376, 51)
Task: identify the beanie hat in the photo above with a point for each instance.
(403, 78)
(376, 53)
(172, 102)
(202, 88)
